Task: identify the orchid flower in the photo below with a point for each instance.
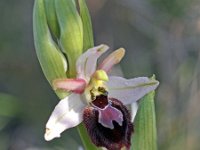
(98, 100)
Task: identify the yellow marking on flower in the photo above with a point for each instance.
(100, 75)
(97, 81)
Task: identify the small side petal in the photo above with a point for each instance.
(113, 59)
(74, 85)
(130, 90)
(67, 114)
(87, 62)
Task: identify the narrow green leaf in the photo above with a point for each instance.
(51, 17)
(71, 35)
(88, 40)
(51, 59)
(145, 135)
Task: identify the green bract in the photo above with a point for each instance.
(88, 40)
(52, 17)
(52, 61)
(58, 36)
(71, 31)
(145, 136)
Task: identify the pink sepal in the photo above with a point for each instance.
(113, 59)
(74, 85)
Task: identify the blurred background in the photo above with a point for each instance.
(162, 37)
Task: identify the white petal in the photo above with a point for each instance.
(87, 62)
(130, 90)
(67, 114)
(134, 108)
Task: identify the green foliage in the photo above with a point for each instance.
(86, 139)
(73, 35)
(52, 18)
(88, 40)
(145, 137)
(66, 26)
(155, 42)
(71, 32)
(51, 59)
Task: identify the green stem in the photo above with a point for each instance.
(86, 139)
(88, 43)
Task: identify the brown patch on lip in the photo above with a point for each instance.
(101, 101)
(112, 139)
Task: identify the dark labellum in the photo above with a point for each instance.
(108, 123)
